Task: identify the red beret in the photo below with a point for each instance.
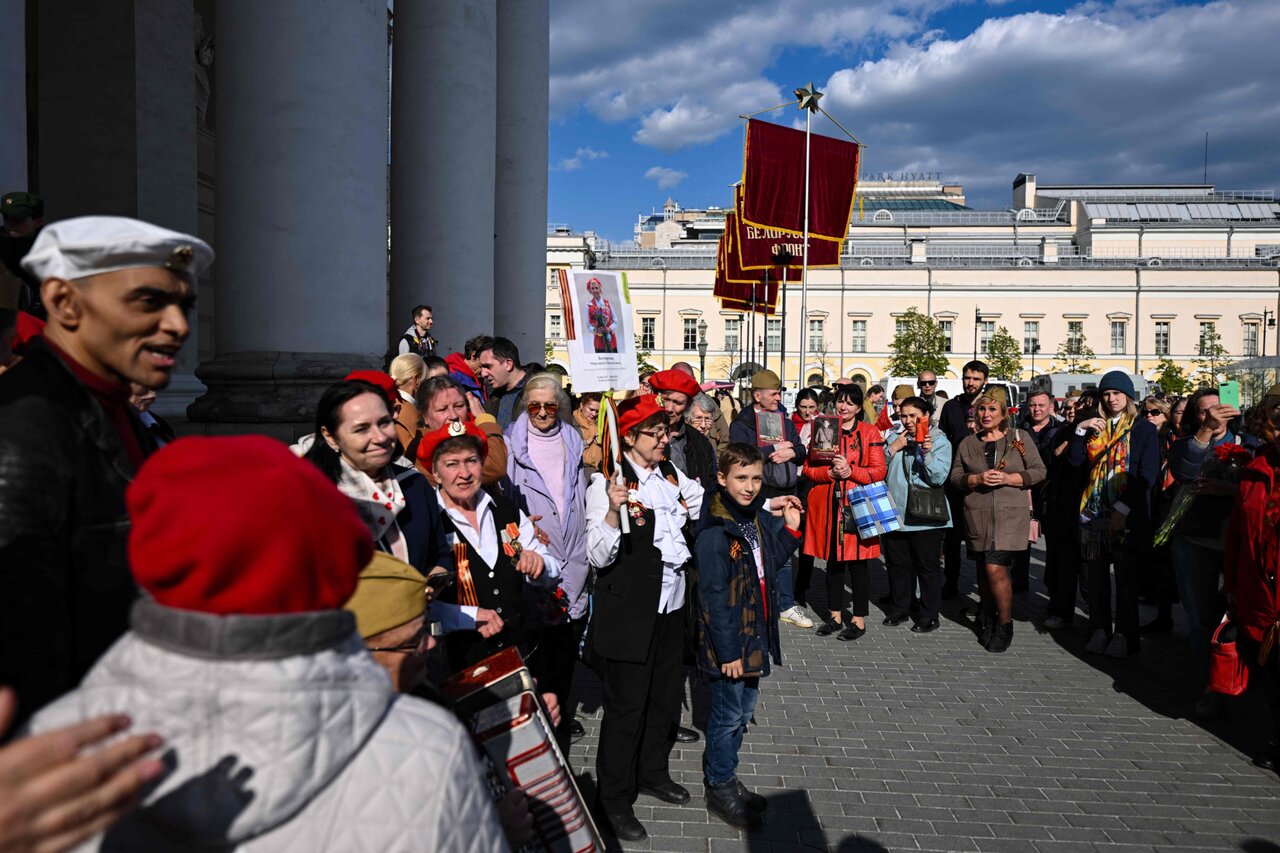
(431, 440)
(674, 380)
(376, 377)
(241, 525)
(637, 410)
(29, 326)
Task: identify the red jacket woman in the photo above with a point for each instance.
(861, 461)
(1253, 547)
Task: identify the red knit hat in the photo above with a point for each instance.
(242, 526)
(454, 429)
(674, 380)
(636, 410)
(376, 377)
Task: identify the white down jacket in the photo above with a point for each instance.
(282, 734)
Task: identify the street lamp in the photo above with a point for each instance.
(1268, 322)
(659, 262)
(702, 348)
(1035, 348)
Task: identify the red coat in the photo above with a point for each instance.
(1253, 548)
(866, 457)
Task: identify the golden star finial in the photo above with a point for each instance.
(809, 97)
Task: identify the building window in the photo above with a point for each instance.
(648, 326)
(1250, 347)
(817, 338)
(732, 333)
(986, 330)
(1075, 336)
(946, 334)
(1162, 337)
(858, 338)
(690, 333)
(1030, 336)
(1117, 337)
(1206, 335)
(899, 326)
(773, 334)
(555, 329)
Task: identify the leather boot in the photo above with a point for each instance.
(726, 803)
(754, 801)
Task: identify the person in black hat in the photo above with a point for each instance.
(23, 216)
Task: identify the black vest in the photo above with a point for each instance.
(498, 587)
(627, 591)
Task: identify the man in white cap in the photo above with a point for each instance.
(117, 292)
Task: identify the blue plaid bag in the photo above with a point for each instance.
(872, 510)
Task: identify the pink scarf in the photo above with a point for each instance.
(546, 451)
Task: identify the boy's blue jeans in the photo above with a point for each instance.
(733, 701)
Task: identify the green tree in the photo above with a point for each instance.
(642, 358)
(1213, 360)
(1073, 356)
(1171, 378)
(918, 345)
(1004, 355)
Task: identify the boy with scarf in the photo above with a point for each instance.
(740, 547)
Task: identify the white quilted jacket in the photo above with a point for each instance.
(282, 735)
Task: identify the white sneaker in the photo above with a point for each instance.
(1097, 643)
(1118, 647)
(793, 615)
(1053, 623)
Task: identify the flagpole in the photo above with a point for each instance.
(804, 264)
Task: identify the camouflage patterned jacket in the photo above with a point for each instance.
(731, 619)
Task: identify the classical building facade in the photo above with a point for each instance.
(1135, 273)
(272, 130)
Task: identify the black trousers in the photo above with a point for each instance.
(1062, 552)
(641, 711)
(953, 541)
(1264, 678)
(803, 578)
(1125, 560)
(553, 659)
(859, 583)
(911, 558)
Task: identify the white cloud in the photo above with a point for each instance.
(666, 178)
(1116, 94)
(572, 164)
(684, 72)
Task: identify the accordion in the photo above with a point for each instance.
(497, 700)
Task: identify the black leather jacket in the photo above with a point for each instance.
(65, 584)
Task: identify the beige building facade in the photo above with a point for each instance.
(1136, 273)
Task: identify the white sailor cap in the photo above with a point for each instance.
(92, 245)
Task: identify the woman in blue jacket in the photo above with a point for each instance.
(1119, 456)
(913, 554)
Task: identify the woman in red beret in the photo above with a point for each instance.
(636, 637)
(495, 547)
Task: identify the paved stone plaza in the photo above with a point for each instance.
(900, 741)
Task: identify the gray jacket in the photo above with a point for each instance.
(282, 734)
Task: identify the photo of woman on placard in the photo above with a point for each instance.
(600, 319)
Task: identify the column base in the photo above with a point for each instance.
(184, 389)
(270, 387)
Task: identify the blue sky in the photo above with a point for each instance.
(645, 96)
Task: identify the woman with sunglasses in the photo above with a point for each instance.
(549, 483)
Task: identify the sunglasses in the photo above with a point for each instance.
(923, 383)
(655, 434)
(548, 408)
(1151, 413)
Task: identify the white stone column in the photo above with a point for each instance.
(13, 95)
(520, 192)
(443, 103)
(301, 189)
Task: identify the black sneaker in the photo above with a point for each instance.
(1001, 637)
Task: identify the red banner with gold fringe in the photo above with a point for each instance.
(773, 181)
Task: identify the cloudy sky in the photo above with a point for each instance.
(645, 95)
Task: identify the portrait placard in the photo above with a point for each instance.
(598, 330)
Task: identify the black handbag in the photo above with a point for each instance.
(925, 504)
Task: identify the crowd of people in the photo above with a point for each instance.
(280, 625)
